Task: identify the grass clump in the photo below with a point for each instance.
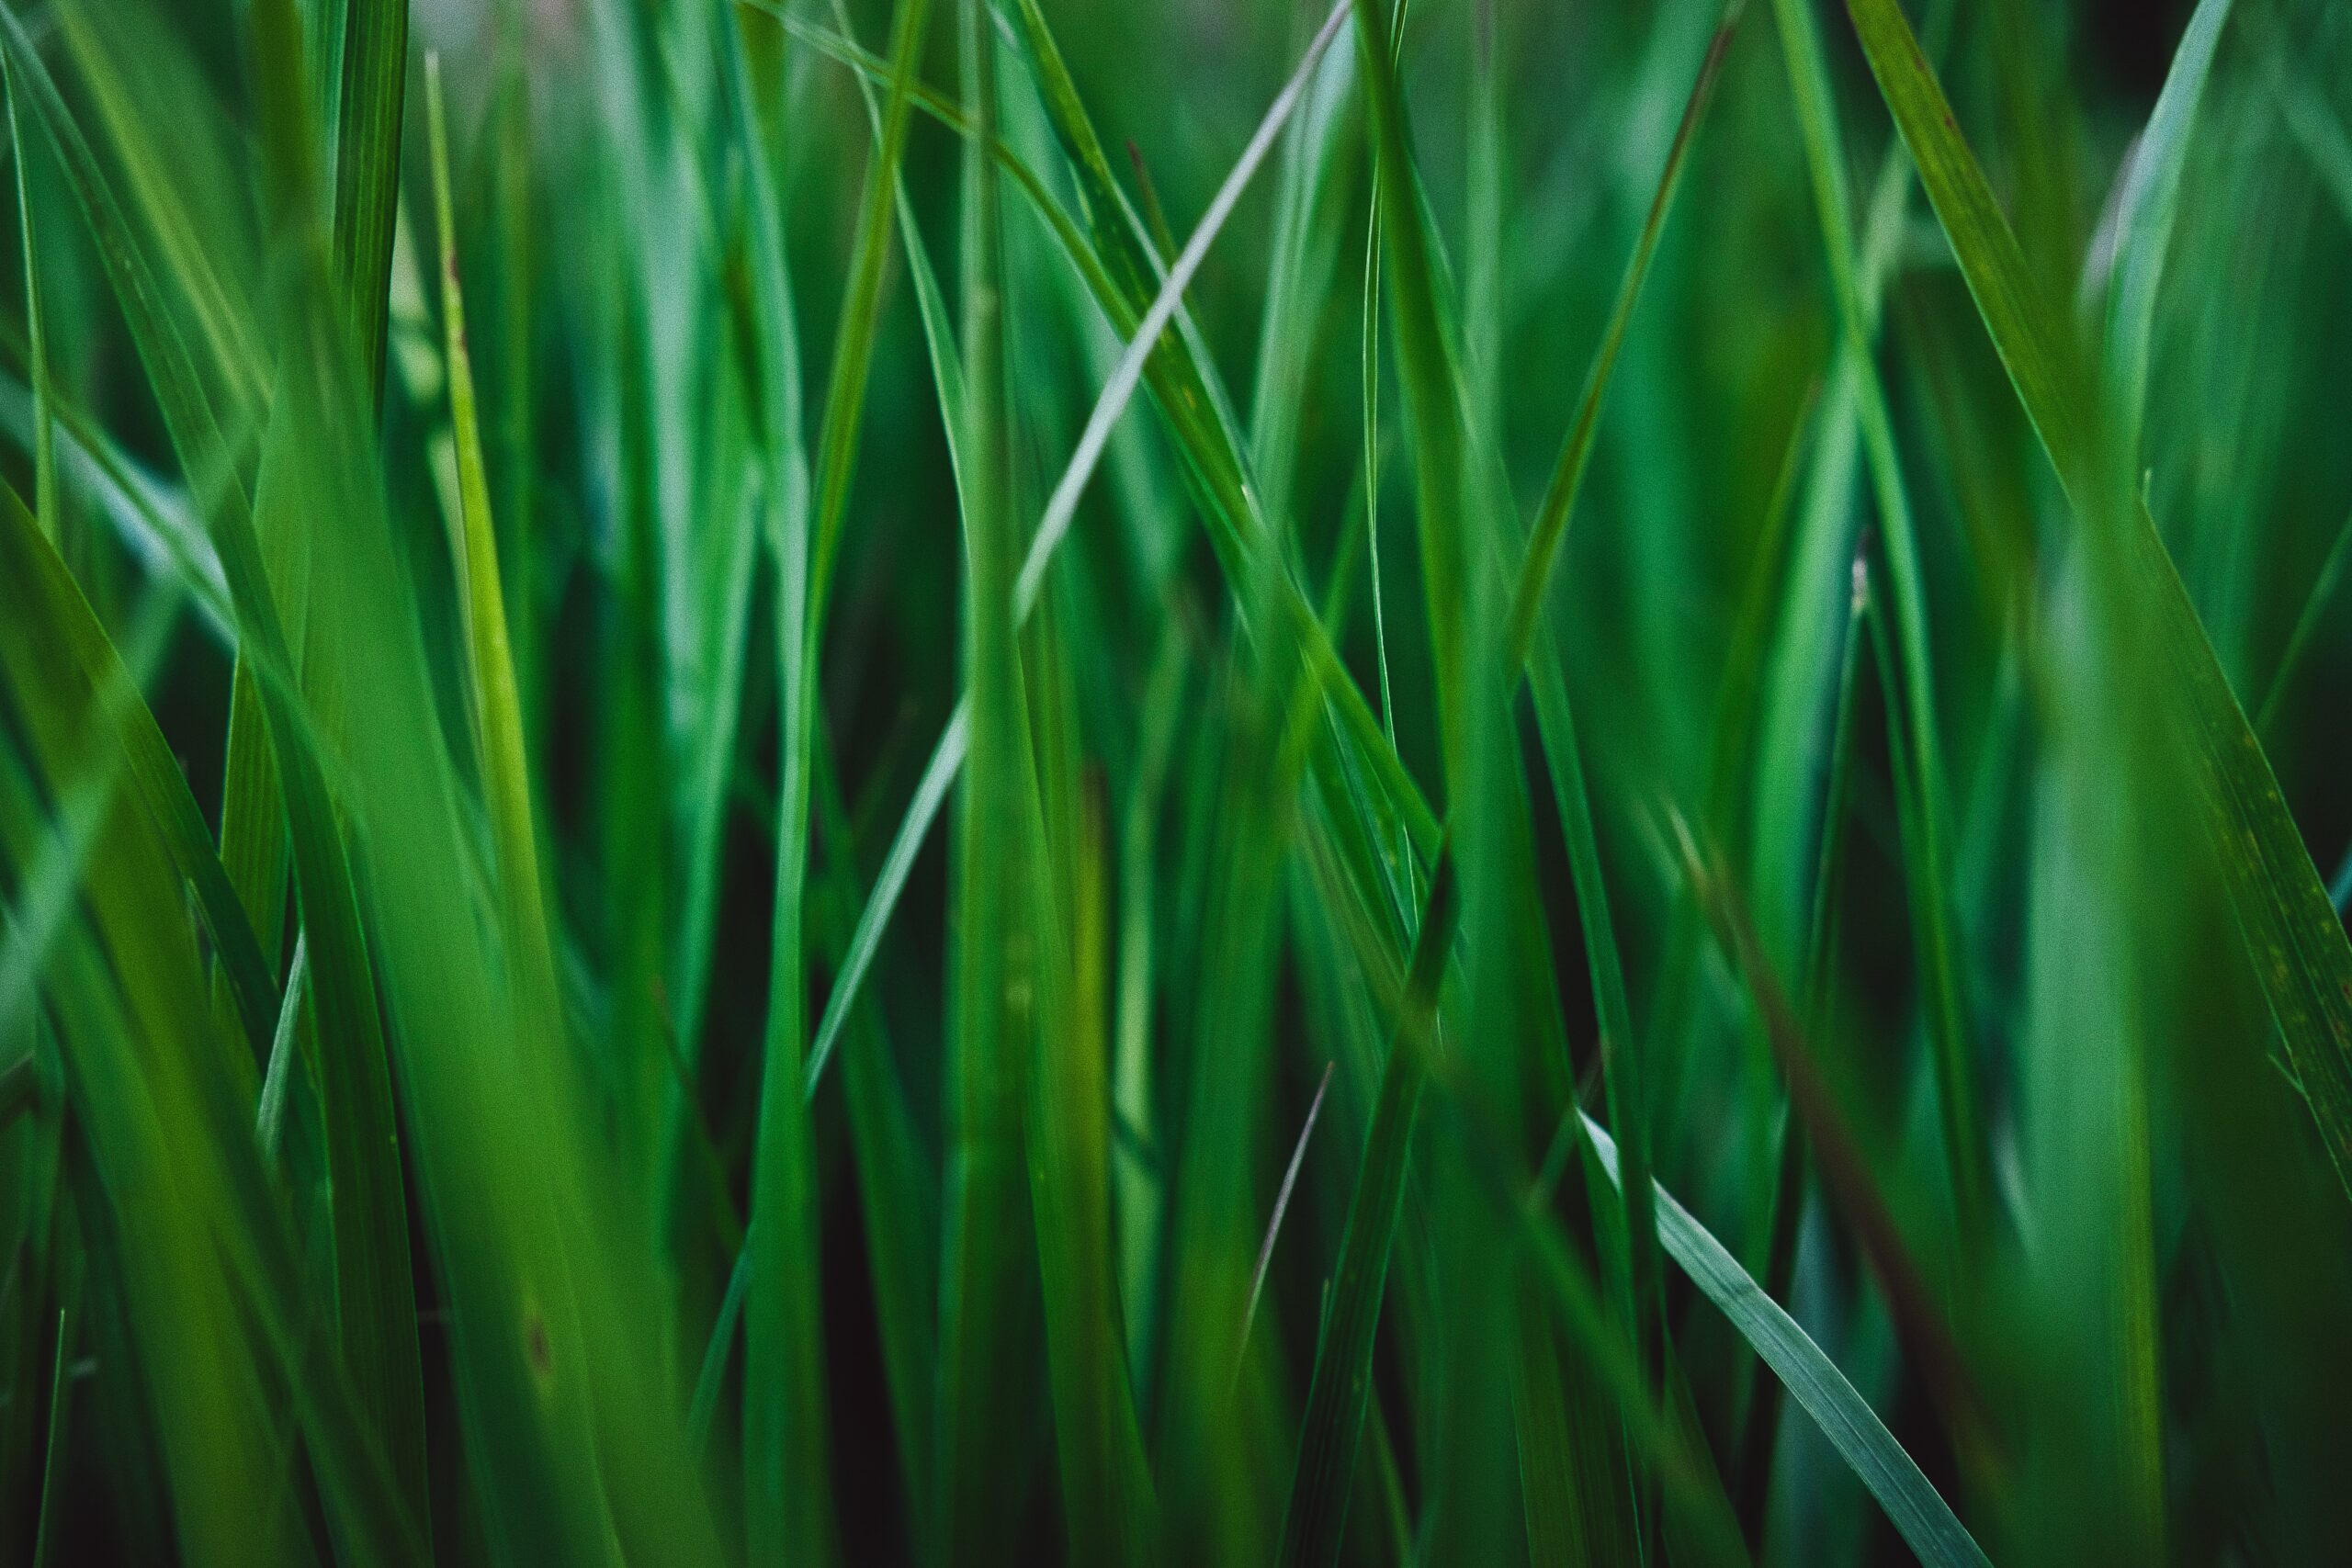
(855, 781)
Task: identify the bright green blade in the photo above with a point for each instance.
(1926, 1522)
(497, 703)
(987, 1333)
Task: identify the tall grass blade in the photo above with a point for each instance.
(52, 1473)
(369, 104)
(497, 701)
(985, 1330)
(1925, 806)
(786, 1452)
(36, 350)
(46, 595)
(2150, 203)
(1111, 1513)
(1282, 1199)
(1061, 507)
(897, 1186)
(2301, 953)
(1332, 1427)
(1552, 513)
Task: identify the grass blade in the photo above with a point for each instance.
(1282, 1199)
(50, 598)
(1061, 508)
(2143, 228)
(1926, 806)
(1926, 1524)
(60, 1404)
(985, 1329)
(1428, 368)
(497, 704)
(2302, 954)
(1845, 1174)
(37, 352)
(367, 168)
(1111, 1513)
(1551, 523)
(786, 1451)
(1332, 1427)
(897, 1185)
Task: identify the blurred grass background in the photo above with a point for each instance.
(864, 781)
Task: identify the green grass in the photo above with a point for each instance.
(797, 781)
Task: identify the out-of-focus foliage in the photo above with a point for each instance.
(864, 781)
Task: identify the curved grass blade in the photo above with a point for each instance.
(45, 592)
(874, 70)
(152, 1087)
(1061, 507)
(1184, 385)
(1925, 1520)
(1310, 214)
(154, 520)
(195, 431)
(198, 435)
(1228, 502)
(2150, 201)
(1123, 242)
(1845, 1174)
(156, 116)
